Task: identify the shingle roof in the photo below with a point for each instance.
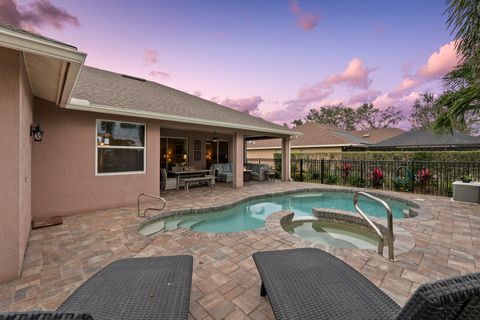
(316, 134)
(426, 138)
(105, 88)
(378, 135)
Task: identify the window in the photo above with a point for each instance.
(120, 147)
(173, 152)
(216, 152)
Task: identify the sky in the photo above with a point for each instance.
(275, 59)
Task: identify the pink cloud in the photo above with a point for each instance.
(365, 96)
(150, 56)
(36, 14)
(249, 104)
(305, 20)
(438, 64)
(356, 75)
(157, 74)
(197, 93)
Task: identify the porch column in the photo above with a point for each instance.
(286, 159)
(238, 158)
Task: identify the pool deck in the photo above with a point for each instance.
(226, 284)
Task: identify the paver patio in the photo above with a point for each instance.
(226, 284)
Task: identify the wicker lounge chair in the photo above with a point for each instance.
(137, 288)
(313, 284)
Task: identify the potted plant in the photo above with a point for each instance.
(467, 178)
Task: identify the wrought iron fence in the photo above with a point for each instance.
(424, 177)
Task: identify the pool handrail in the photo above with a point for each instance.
(381, 236)
(147, 209)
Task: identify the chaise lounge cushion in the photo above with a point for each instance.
(310, 283)
(44, 315)
(136, 288)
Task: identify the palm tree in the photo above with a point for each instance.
(462, 85)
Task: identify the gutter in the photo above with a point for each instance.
(85, 105)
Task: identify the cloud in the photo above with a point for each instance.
(365, 96)
(438, 64)
(36, 14)
(305, 20)
(157, 74)
(150, 56)
(197, 93)
(355, 76)
(249, 104)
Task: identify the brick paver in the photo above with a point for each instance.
(226, 284)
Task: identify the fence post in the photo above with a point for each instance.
(361, 169)
(301, 170)
(412, 169)
(322, 167)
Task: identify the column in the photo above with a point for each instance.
(286, 159)
(238, 158)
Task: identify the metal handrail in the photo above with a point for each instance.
(151, 196)
(381, 236)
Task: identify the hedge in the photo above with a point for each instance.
(460, 156)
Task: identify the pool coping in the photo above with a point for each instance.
(417, 209)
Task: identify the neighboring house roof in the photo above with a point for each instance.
(378, 135)
(315, 135)
(105, 91)
(427, 139)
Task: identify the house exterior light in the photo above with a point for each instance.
(36, 132)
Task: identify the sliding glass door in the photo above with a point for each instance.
(216, 152)
(173, 152)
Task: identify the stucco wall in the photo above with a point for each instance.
(15, 156)
(64, 180)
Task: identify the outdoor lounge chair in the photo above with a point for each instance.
(135, 288)
(312, 284)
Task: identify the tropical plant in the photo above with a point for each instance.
(377, 177)
(462, 95)
(346, 168)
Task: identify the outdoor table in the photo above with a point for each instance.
(188, 173)
(246, 174)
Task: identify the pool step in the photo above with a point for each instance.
(172, 223)
(152, 228)
(186, 224)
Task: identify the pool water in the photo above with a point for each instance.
(336, 235)
(252, 214)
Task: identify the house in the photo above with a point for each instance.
(320, 138)
(76, 138)
(426, 140)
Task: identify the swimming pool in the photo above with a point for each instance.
(251, 214)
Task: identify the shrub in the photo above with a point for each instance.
(330, 179)
(358, 181)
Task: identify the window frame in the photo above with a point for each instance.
(144, 148)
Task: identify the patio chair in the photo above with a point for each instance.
(167, 183)
(310, 283)
(135, 288)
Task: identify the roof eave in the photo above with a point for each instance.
(85, 105)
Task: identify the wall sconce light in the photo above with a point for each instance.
(36, 132)
(185, 156)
